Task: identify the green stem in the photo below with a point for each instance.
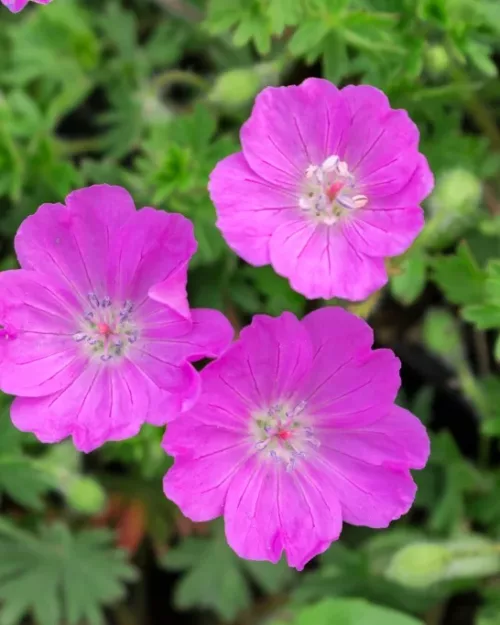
(80, 146)
(179, 76)
(473, 392)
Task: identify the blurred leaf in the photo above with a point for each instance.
(59, 576)
(335, 59)
(486, 314)
(275, 290)
(441, 336)
(56, 46)
(215, 578)
(459, 276)
(456, 477)
(407, 286)
(308, 34)
(20, 477)
(480, 55)
(454, 208)
(348, 612)
(271, 578)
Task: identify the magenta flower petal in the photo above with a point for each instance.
(328, 184)
(152, 258)
(369, 495)
(97, 334)
(362, 98)
(210, 334)
(268, 512)
(397, 439)
(271, 370)
(389, 225)
(282, 138)
(76, 242)
(294, 432)
(102, 403)
(249, 208)
(40, 355)
(323, 263)
(208, 458)
(18, 5)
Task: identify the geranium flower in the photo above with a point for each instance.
(294, 433)
(328, 184)
(97, 333)
(18, 5)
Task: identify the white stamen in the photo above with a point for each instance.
(330, 164)
(360, 201)
(329, 192)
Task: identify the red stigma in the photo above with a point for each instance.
(104, 329)
(284, 435)
(334, 189)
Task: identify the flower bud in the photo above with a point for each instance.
(85, 495)
(437, 60)
(237, 87)
(454, 208)
(419, 565)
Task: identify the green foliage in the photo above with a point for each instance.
(407, 285)
(20, 477)
(459, 277)
(348, 612)
(441, 336)
(217, 579)
(57, 575)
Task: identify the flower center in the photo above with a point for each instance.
(107, 330)
(329, 192)
(283, 435)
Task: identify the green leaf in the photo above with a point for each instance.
(441, 336)
(459, 276)
(335, 59)
(56, 46)
(20, 477)
(307, 35)
(213, 578)
(409, 284)
(272, 578)
(276, 291)
(348, 612)
(59, 576)
(284, 13)
(483, 316)
(480, 55)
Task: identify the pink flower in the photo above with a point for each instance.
(329, 183)
(18, 5)
(295, 432)
(97, 333)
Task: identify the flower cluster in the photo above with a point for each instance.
(18, 5)
(292, 430)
